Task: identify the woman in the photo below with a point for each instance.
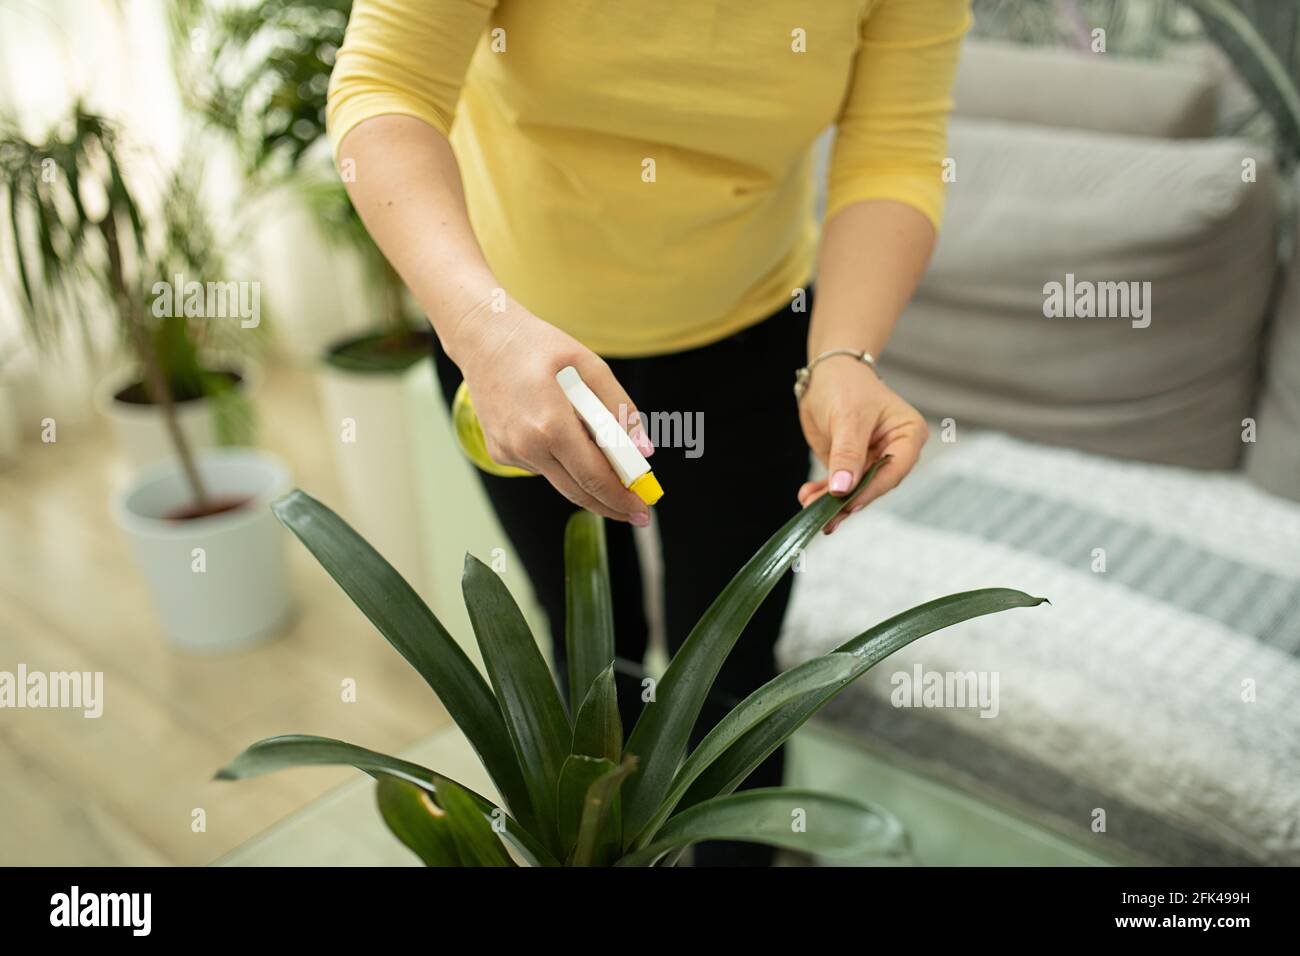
(627, 189)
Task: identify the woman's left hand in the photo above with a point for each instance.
(851, 418)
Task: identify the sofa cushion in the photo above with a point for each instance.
(1083, 90)
(1158, 686)
(1173, 221)
(1273, 459)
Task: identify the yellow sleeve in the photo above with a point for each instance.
(404, 56)
(892, 133)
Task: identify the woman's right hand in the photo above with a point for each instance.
(509, 360)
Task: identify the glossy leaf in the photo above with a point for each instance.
(599, 831)
(663, 730)
(597, 727)
(803, 820)
(406, 622)
(300, 750)
(576, 778)
(868, 649)
(589, 607)
(809, 677)
(419, 823)
(476, 841)
(530, 702)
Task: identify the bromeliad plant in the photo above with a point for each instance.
(574, 792)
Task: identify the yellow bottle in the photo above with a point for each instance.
(469, 434)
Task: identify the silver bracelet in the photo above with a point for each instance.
(803, 376)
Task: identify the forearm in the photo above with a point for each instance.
(872, 256)
(408, 192)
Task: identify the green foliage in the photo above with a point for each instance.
(82, 243)
(265, 69)
(262, 76)
(1262, 40)
(572, 793)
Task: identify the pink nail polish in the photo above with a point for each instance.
(841, 481)
(640, 519)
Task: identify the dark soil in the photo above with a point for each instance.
(138, 394)
(215, 506)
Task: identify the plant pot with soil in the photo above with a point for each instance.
(370, 399)
(206, 417)
(217, 572)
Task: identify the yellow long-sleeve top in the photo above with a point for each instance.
(638, 172)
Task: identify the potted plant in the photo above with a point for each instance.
(205, 363)
(196, 521)
(263, 79)
(573, 791)
(203, 333)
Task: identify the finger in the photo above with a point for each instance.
(810, 491)
(562, 481)
(586, 464)
(600, 379)
(902, 451)
(849, 437)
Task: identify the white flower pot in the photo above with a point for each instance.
(370, 421)
(139, 430)
(219, 582)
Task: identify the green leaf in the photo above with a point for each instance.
(597, 727)
(1256, 61)
(599, 831)
(305, 750)
(664, 727)
(576, 777)
(475, 838)
(233, 413)
(413, 817)
(868, 649)
(809, 677)
(792, 819)
(407, 623)
(302, 750)
(530, 702)
(589, 608)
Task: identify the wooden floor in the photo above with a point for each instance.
(122, 789)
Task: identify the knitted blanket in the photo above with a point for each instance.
(1154, 707)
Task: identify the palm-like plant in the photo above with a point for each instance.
(574, 792)
(75, 222)
(263, 81)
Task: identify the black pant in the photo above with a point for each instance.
(718, 507)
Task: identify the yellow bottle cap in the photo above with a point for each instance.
(647, 488)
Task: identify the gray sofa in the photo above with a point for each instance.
(1141, 470)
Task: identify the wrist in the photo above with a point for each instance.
(475, 324)
(821, 363)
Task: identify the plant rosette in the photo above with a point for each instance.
(573, 789)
